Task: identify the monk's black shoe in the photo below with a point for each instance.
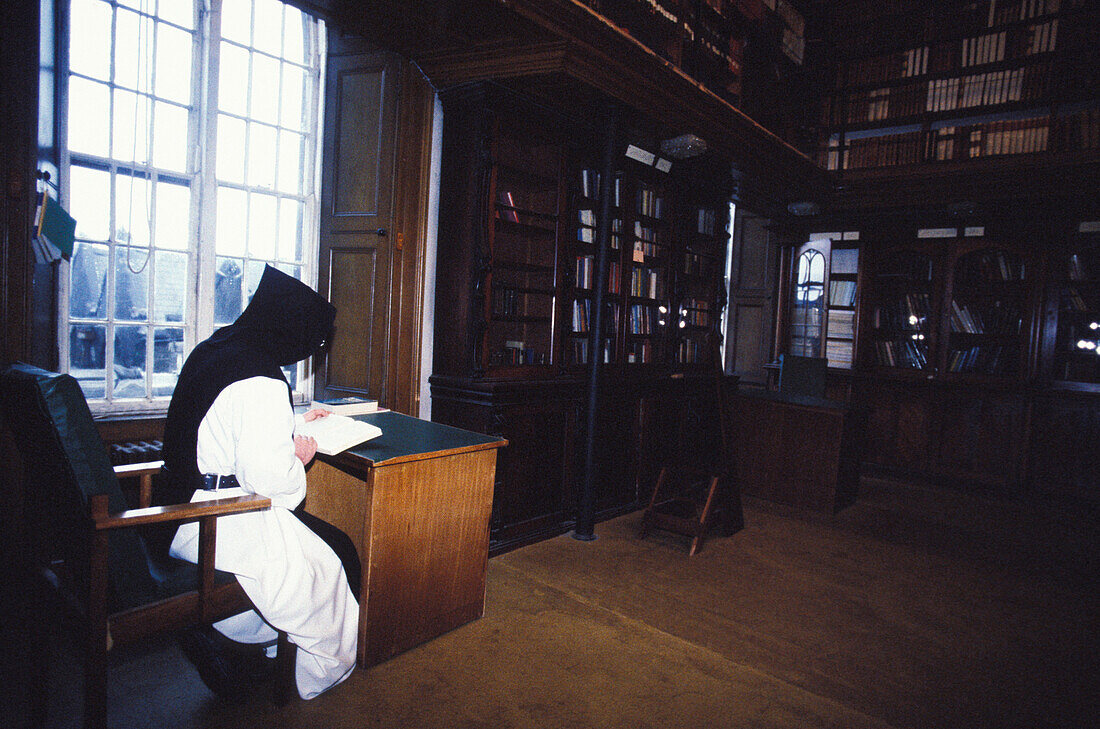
(228, 668)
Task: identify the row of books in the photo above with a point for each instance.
(991, 88)
(517, 353)
(905, 313)
(992, 319)
(902, 353)
(1072, 300)
(581, 311)
(507, 301)
(645, 283)
(590, 187)
(986, 359)
(587, 234)
(580, 350)
(841, 324)
(640, 352)
(839, 353)
(980, 269)
(842, 293)
(688, 351)
(695, 264)
(650, 203)
(585, 271)
(1005, 45)
(643, 319)
(707, 221)
(695, 312)
(647, 243)
(1072, 133)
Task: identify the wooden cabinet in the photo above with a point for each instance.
(517, 286)
(948, 350)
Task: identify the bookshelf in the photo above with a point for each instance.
(951, 304)
(517, 283)
(840, 333)
(920, 83)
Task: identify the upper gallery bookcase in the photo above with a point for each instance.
(951, 302)
(924, 83)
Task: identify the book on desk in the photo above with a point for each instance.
(336, 433)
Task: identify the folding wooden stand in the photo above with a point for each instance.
(690, 500)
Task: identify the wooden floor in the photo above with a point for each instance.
(913, 608)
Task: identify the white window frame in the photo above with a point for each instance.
(198, 322)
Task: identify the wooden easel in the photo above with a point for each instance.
(687, 499)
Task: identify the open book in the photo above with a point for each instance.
(336, 433)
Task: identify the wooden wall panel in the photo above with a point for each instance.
(349, 361)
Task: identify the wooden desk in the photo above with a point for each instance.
(416, 502)
(800, 451)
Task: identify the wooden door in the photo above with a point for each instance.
(356, 251)
(749, 337)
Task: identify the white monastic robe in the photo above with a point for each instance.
(295, 580)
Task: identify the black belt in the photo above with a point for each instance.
(214, 482)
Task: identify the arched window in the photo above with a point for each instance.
(808, 307)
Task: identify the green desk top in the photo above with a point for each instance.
(405, 438)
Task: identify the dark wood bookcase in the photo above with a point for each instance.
(923, 83)
(516, 287)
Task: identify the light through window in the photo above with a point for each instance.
(192, 138)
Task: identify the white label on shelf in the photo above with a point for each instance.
(851, 235)
(937, 232)
(639, 154)
(1089, 226)
(663, 164)
(825, 236)
(974, 232)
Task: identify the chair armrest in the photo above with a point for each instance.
(131, 470)
(178, 512)
(144, 472)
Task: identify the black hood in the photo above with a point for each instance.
(285, 322)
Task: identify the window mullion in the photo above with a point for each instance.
(207, 195)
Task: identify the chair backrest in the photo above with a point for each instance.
(802, 376)
(65, 464)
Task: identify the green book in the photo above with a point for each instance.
(56, 226)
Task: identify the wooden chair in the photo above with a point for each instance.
(692, 495)
(83, 540)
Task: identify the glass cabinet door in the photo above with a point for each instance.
(808, 305)
(902, 324)
(986, 313)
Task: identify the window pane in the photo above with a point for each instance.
(294, 36)
(267, 31)
(173, 72)
(90, 38)
(290, 163)
(233, 78)
(133, 51)
(232, 215)
(294, 80)
(129, 363)
(89, 115)
(131, 284)
(231, 145)
(131, 127)
(170, 137)
(180, 12)
(88, 281)
(90, 202)
(261, 155)
(173, 216)
(132, 210)
(227, 291)
(237, 20)
(252, 278)
(817, 268)
(171, 287)
(167, 359)
(262, 216)
(291, 374)
(265, 88)
(290, 230)
(87, 349)
(290, 270)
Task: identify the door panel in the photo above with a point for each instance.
(356, 256)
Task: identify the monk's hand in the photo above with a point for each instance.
(314, 414)
(305, 448)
